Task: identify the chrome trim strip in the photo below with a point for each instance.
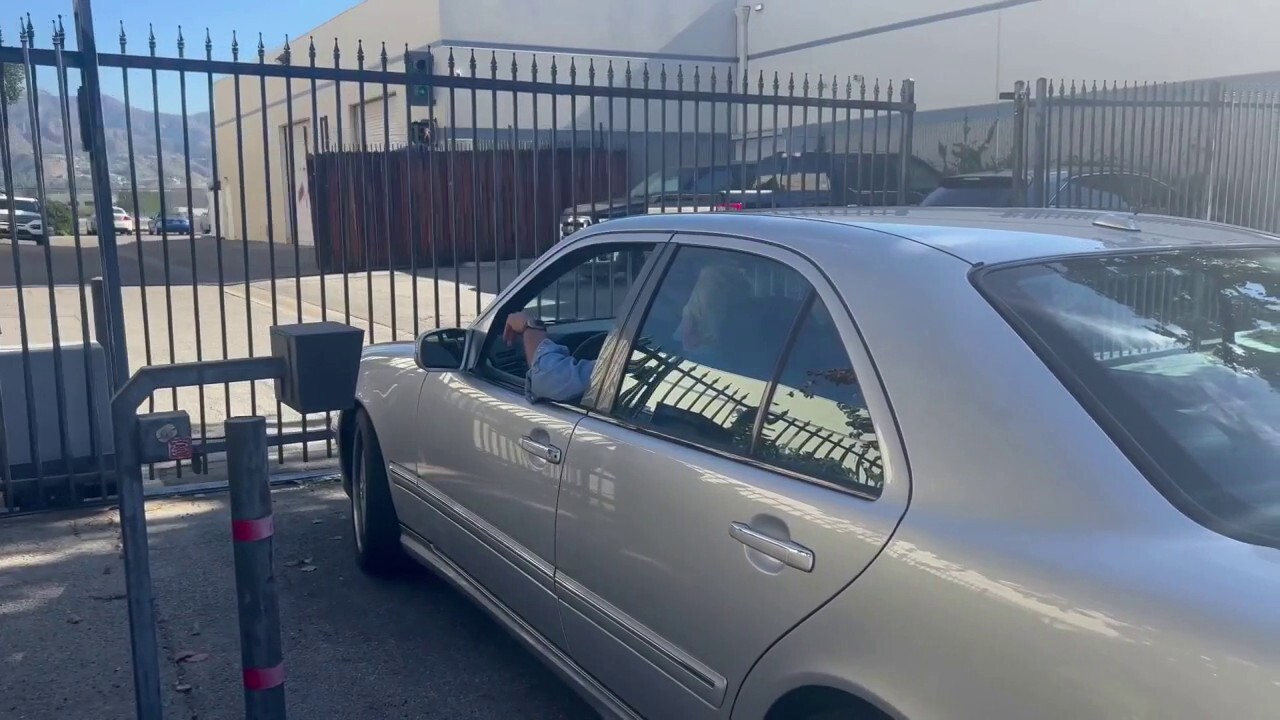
(406, 476)
(499, 541)
(712, 688)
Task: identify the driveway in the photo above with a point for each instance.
(354, 647)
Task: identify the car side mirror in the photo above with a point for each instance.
(442, 349)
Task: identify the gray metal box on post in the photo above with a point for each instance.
(322, 363)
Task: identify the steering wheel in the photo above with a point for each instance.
(590, 348)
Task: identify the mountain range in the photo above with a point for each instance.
(119, 123)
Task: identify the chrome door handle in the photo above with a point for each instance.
(550, 453)
(792, 554)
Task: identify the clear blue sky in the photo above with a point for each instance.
(273, 18)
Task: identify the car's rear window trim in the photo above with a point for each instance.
(1155, 471)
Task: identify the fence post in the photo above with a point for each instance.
(94, 134)
(908, 100)
(1019, 151)
(252, 528)
(1039, 171)
(101, 326)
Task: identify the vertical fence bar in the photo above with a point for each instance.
(28, 384)
(437, 226)
(514, 222)
(907, 96)
(473, 168)
(215, 225)
(535, 176)
(339, 174)
(244, 214)
(412, 146)
(385, 157)
(1063, 105)
(451, 207)
(191, 228)
(86, 41)
(493, 178)
(252, 533)
(1038, 170)
(291, 202)
(364, 196)
(164, 212)
(92, 421)
(37, 152)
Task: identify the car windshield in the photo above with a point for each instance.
(20, 205)
(976, 191)
(1182, 351)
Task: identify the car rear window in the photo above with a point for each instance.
(971, 192)
(1177, 354)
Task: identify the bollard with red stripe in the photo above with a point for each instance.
(252, 530)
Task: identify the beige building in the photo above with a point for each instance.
(959, 52)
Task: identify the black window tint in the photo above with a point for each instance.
(708, 346)
(1179, 353)
(818, 423)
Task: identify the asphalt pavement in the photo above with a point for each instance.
(354, 647)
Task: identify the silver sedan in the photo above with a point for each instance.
(988, 464)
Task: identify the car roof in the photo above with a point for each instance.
(975, 235)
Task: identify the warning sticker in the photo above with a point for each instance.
(180, 448)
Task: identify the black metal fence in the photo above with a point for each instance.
(1203, 150)
(315, 182)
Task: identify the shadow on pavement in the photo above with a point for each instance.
(354, 647)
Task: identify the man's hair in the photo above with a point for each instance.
(714, 294)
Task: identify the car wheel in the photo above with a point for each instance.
(376, 529)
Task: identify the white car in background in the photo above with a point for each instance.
(122, 221)
(24, 214)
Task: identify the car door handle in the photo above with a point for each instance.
(547, 452)
(792, 554)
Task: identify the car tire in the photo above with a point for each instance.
(375, 527)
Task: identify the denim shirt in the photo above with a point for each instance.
(556, 375)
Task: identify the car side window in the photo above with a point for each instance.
(708, 345)
(817, 423)
(578, 298)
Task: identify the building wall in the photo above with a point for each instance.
(256, 148)
(959, 52)
(964, 52)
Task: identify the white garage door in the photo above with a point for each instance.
(381, 119)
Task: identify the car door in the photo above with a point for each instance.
(489, 459)
(694, 530)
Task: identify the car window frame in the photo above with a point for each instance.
(502, 305)
(821, 289)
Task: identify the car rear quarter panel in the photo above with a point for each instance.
(1036, 573)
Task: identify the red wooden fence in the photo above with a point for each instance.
(415, 207)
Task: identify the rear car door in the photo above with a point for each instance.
(489, 462)
(694, 529)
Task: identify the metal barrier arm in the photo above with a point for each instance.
(133, 522)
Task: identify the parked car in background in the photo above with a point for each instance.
(1079, 188)
(822, 179)
(941, 463)
(122, 221)
(783, 180)
(20, 217)
(175, 224)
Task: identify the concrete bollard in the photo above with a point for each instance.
(252, 528)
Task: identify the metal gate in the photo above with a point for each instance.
(1206, 150)
(396, 189)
